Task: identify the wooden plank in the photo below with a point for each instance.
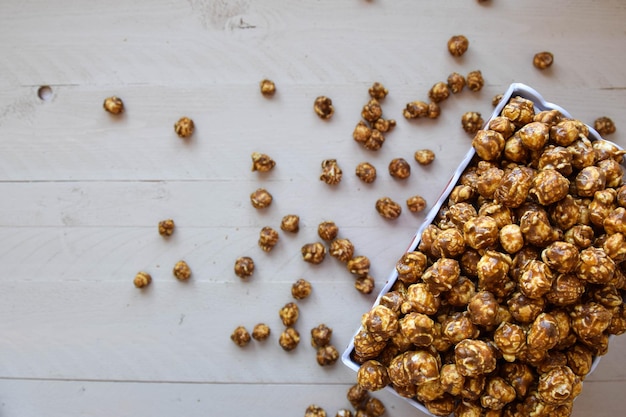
(95, 399)
(179, 332)
(172, 331)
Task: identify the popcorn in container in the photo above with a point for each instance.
(514, 90)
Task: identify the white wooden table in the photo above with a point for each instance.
(82, 191)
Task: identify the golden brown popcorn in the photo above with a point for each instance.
(415, 109)
(579, 359)
(475, 80)
(595, 266)
(519, 110)
(357, 396)
(323, 107)
(498, 393)
(472, 122)
(314, 411)
(458, 327)
(549, 117)
(615, 247)
(417, 328)
(559, 386)
(488, 144)
(301, 289)
(525, 309)
(460, 213)
(380, 322)
(262, 162)
(261, 332)
(456, 82)
(331, 173)
(413, 368)
(184, 127)
(388, 208)
(261, 198)
(366, 172)
(615, 222)
(543, 333)
(416, 203)
(366, 347)
(372, 111)
(510, 339)
(549, 186)
(113, 105)
(181, 271)
(267, 87)
(451, 380)
(511, 238)
(488, 182)
(492, 270)
(442, 275)
(359, 265)
(480, 232)
(290, 223)
(372, 376)
(313, 252)
(411, 266)
(543, 60)
(240, 336)
(420, 299)
(289, 314)
(442, 406)
(583, 154)
(321, 335)
(457, 45)
(474, 357)
(557, 158)
(514, 187)
(607, 150)
(483, 309)
(399, 168)
(613, 172)
(560, 256)
(589, 180)
(327, 230)
(590, 320)
(564, 133)
(341, 249)
(289, 339)
(536, 228)
(362, 132)
(580, 235)
(424, 156)
(142, 279)
(166, 227)
(461, 293)
(327, 355)
(534, 135)
(268, 238)
(604, 125)
(450, 243)
(439, 92)
(536, 280)
(566, 290)
(244, 267)
(502, 125)
(515, 151)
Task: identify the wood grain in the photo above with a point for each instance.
(82, 191)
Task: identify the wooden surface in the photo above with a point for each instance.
(82, 191)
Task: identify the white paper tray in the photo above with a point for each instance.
(515, 89)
